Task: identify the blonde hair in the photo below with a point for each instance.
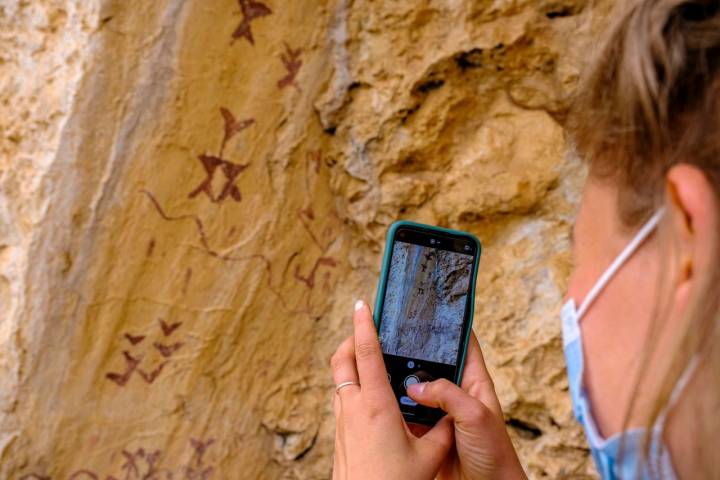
(648, 101)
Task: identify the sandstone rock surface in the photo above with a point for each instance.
(193, 193)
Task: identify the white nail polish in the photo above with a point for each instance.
(358, 305)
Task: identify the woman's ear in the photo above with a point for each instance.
(692, 208)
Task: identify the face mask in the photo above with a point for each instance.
(610, 461)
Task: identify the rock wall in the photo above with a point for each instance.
(193, 193)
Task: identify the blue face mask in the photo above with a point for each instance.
(610, 461)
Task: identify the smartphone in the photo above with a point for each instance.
(424, 308)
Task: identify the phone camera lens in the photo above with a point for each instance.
(432, 241)
(467, 248)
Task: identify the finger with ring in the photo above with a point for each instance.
(345, 384)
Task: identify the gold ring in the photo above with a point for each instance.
(345, 384)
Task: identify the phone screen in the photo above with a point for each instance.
(425, 312)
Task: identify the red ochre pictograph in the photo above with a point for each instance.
(144, 464)
(231, 171)
(305, 215)
(132, 362)
(292, 62)
(250, 10)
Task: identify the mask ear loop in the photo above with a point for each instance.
(659, 426)
(634, 244)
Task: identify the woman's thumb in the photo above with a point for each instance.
(458, 404)
(437, 442)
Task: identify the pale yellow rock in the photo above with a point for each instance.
(157, 325)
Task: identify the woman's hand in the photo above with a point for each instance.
(372, 440)
(482, 446)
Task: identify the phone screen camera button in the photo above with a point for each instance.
(410, 380)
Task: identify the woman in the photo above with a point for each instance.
(640, 326)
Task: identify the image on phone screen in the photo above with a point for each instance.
(424, 313)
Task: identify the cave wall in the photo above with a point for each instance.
(192, 195)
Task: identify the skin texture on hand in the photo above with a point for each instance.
(482, 446)
(372, 440)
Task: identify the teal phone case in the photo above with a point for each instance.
(386, 270)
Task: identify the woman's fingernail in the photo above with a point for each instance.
(417, 388)
(358, 305)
